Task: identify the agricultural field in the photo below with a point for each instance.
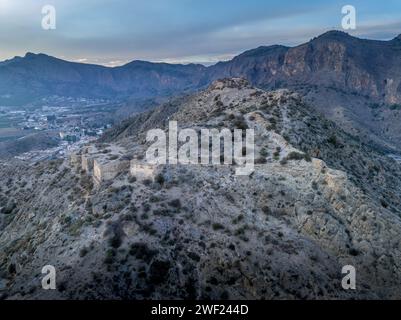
(9, 127)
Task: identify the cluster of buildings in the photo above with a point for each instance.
(74, 122)
(71, 126)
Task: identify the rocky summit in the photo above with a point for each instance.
(115, 227)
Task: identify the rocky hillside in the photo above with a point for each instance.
(35, 141)
(318, 200)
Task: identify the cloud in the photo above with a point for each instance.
(113, 32)
(378, 30)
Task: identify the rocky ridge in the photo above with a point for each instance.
(201, 231)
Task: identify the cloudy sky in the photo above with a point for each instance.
(113, 32)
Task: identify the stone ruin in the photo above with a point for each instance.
(76, 160)
(142, 171)
(105, 166)
(87, 163)
(108, 170)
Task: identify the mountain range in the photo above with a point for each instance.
(335, 60)
(355, 82)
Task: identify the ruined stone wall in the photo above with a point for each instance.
(75, 160)
(87, 163)
(97, 172)
(142, 171)
(108, 170)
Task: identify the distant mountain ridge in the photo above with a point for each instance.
(38, 75)
(355, 82)
(334, 59)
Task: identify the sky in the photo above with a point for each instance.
(114, 32)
